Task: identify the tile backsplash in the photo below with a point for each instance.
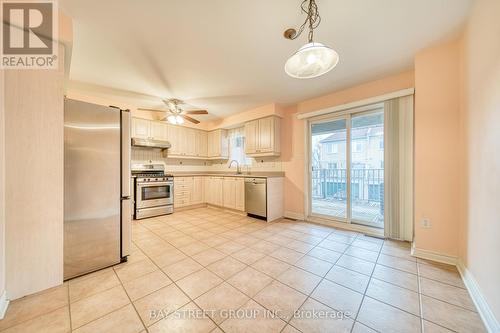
(269, 164)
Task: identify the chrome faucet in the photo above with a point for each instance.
(238, 170)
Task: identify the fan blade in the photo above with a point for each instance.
(154, 110)
(196, 112)
(190, 119)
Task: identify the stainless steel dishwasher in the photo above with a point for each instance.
(256, 196)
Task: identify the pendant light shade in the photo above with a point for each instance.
(311, 60)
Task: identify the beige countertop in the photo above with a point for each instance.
(228, 174)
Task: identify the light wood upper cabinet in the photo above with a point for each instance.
(174, 139)
(262, 137)
(266, 134)
(251, 136)
(201, 144)
(148, 129)
(190, 141)
(218, 145)
(141, 128)
(159, 130)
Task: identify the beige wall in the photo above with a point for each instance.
(2, 185)
(34, 179)
(437, 136)
(480, 222)
(294, 130)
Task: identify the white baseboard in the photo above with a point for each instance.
(294, 215)
(434, 256)
(489, 320)
(4, 303)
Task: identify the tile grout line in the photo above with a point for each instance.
(420, 304)
(128, 296)
(250, 233)
(69, 310)
(366, 289)
(322, 279)
(188, 297)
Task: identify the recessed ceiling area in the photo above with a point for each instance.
(228, 56)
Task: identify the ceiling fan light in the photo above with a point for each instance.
(172, 119)
(179, 120)
(311, 60)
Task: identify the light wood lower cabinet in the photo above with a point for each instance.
(217, 189)
(234, 193)
(197, 192)
(240, 194)
(228, 192)
(183, 188)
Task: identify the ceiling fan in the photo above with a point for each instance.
(174, 114)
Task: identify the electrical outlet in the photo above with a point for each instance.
(426, 223)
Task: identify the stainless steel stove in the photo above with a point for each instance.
(154, 190)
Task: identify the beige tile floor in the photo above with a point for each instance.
(285, 276)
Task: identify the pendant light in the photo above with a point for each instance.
(313, 59)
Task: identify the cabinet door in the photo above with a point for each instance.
(228, 193)
(207, 189)
(224, 144)
(190, 141)
(182, 133)
(140, 128)
(197, 191)
(216, 143)
(201, 144)
(239, 190)
(266, 134)
(158, 131)
(173, 137)
(251, 136)
(210, 139)
(181, 192)
(218, 191)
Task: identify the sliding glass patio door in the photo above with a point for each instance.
(347, 167)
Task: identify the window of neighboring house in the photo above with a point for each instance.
(381, 144)
(332, 148)
(237, 146)
(332, 165)
(357, 147)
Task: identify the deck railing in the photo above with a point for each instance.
(367, 185)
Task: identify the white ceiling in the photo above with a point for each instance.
(228, 55)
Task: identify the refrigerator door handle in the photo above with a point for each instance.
(125, 154)
(126, 236)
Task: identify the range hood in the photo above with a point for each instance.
(150, 143)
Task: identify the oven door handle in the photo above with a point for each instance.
(154, 184)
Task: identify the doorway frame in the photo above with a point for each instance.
(325, 219)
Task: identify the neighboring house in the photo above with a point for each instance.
(367, 160)
(367, 149)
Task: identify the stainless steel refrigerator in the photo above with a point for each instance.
(96, 187)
